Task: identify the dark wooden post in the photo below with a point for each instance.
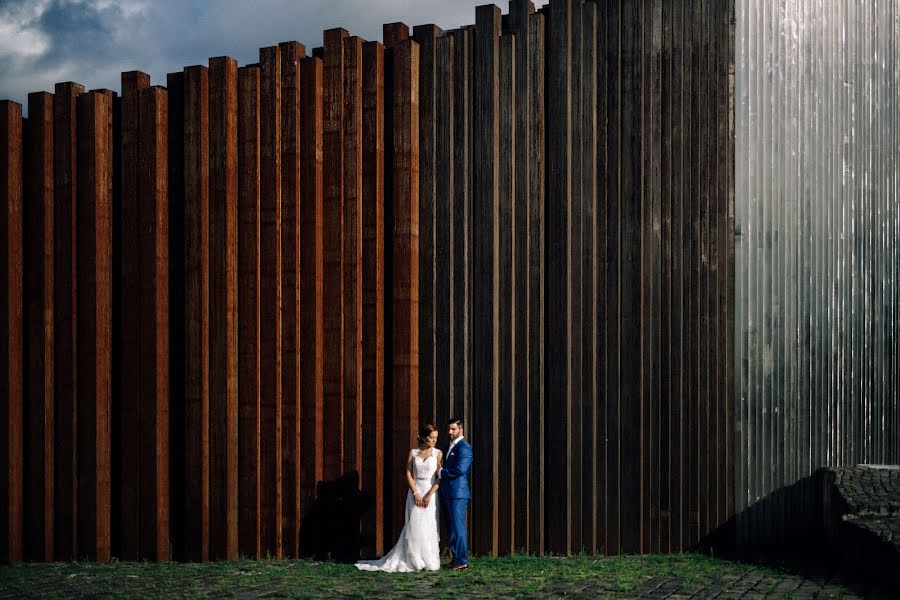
(65, 262)
(536, 257)
(373, 292)
(196, 315)
(270, 298)
(291, 55)
(311, 278)
(333, 222)
(557, 366)
(483, 426)
(153, 240)
(127, 400)
(405, 263)
(223, 309)
(11, 347)
(508, 304)
(38, 319)
(95, 184)
(352, 254)
(248, 313)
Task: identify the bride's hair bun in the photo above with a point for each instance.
(424, 432)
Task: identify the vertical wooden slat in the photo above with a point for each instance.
(127, 399)
(270, 299)
(352, 254)
(333, 300)
(558, 476)
(730, 243)
(373, 292)
(310, 285)
(11, 375)
(484, 426)
(65, 258)
(249, 372)
(177, 362)
(405, 262)
(94, 321)
(506, 275)
(536, 248)
(153, 431)
(223, 308)
(519, 14)
(426, 36)
(38, 320)
(667, 395)
(444, 192)
(588, 275)
(574, 285)
(462, 225)
(196, 312)
(291, 55)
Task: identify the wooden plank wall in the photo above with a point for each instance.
(815, 254)
(524, 223)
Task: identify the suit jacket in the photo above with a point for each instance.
(455, 474)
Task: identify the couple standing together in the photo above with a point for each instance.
(427, 472)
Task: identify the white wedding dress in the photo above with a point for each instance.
(417, 548)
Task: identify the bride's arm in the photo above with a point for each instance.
(437, 481)
(410, 480)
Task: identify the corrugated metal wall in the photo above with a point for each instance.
(816, 248)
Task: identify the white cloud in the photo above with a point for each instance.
(20, 36)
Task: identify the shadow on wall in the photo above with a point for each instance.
(331, 526)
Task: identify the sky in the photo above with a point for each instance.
(43, 42)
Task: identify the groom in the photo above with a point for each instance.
(455, 494)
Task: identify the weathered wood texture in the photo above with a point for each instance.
(65, 262)
(527, 223)
(95, 189)
(373, 292)
(291, 55)
(38, 322)
(311, 278)
(11, 375)
(249, 373)
(223, 309)
(153, 436)
(270, 300)
(196, 313)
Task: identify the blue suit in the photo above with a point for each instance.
(455, 496)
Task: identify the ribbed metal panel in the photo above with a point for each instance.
(816, 248)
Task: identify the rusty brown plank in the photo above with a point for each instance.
(223, 313)
(311, 278)
(248, 313)
(291, 55)
(426, 36)
(196, 312)
(65, 257)
(333, 302)
(153, 433)
(270, 298)
(394, 33)
(95, 183)
(38, 320)
(352, 258)
(11, 262)
(405, 267)
(127, 400)
(373, 292)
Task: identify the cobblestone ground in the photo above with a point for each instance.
(870, 500)
(679, 577)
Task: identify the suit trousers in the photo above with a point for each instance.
(458, 536)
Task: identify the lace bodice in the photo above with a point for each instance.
(424, 468)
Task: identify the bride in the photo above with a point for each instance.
(417, 548)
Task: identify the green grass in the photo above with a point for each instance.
(512, 576)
